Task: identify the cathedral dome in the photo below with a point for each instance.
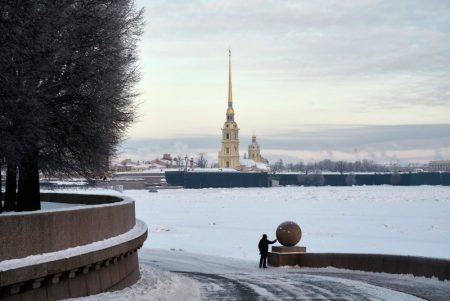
(230, 111)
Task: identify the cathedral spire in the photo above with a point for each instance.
(230, 110)
(230, 93)
(229, 153)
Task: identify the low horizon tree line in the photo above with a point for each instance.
(331, 166)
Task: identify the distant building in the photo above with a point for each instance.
(250, 165)
(165, 162)
(167, 157)
(229, 153)
(439, 166)
(127, 165)
(254, 152)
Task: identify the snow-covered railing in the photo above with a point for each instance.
(70, 252)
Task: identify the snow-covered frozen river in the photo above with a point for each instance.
(359, 219)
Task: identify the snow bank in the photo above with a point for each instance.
(84, 190)
(55, 206)
(153, 285)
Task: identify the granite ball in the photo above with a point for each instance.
(288, 234)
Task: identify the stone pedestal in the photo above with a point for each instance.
(285, 256)
(283, 249)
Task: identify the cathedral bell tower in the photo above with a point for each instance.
(254, 152)
(229, 153)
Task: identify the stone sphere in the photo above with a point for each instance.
(289, 234)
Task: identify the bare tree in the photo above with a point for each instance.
(277, 167)
(201, 160)
(68, 70)
(340, 165)
(179, 160)
(10, 187)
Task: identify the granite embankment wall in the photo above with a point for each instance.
(394, 264)
(70, 252)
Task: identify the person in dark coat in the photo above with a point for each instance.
(263, 247)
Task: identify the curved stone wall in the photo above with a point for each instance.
(394, 264)
(70, 252)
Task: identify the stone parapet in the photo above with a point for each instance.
(37, 232)
(394, 264)
(101, 261)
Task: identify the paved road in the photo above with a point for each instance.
(231, 279)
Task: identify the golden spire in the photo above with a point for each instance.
(230, 94)
(230, 111)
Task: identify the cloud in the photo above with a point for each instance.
(395, 137)
(399, 143)
(345, 36)
(384, 54)
(297, 62)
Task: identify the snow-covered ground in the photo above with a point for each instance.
(154, 285)
(360, 219)
(203, 277)
(193, 232)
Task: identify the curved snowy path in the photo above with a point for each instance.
(231, 279)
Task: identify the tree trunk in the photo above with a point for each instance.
(1, 191)
(10, 187)
(28, 197)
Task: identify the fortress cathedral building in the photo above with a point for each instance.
(254, 152)
(229, 153)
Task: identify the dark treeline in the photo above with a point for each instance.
(67, 72)
(333, 166)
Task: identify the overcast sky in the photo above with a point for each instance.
(314, 79)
